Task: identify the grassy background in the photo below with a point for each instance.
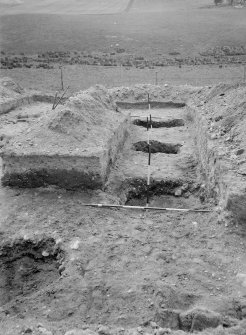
(149, 28)
(82, 77)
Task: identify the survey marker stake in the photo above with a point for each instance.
(148, 208)
(149, 161)
(148, 101)
(53, 107)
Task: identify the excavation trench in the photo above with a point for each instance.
(27, 266)
(156, 146)
(160, 124)
(135, 190)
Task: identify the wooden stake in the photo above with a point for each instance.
(53, 107)
(62, 85)
(156, 78)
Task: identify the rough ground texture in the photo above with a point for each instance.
(13, 96)
(139, 93)
(72, 147)
(219, 116)
(124, 272)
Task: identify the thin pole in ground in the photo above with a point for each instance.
(149, 127)
(244, 74)
(156, 78)
(62, 84)
(53, 107)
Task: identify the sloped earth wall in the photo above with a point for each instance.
(218, 151)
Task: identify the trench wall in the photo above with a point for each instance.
(220, 181)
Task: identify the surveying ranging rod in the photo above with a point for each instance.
(148, 208)
(149, 128)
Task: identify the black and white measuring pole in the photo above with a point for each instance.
(149, 127)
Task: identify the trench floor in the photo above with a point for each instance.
(121, 266)
(133, 164)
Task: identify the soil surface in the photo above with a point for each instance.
(122, 267)
(122, 271)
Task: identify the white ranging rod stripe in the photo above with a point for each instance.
(146, 207)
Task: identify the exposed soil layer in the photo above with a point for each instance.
(155, 147)
(151, 104)
(137, 188)
(159, 124)
(69, 180)
(27, 266)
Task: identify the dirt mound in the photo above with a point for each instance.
(82, 112)
(72, 146)
(87, 116)
(9, 89)
(139, 93)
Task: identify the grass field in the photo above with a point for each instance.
(149, 28)
(82, 77)
(63, 6)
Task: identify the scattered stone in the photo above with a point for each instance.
(185, 187)
(178, 192)
(153, 324)
(45, 253)
(239, 152)
(75, 244)
(103, 330)
(61, 269)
